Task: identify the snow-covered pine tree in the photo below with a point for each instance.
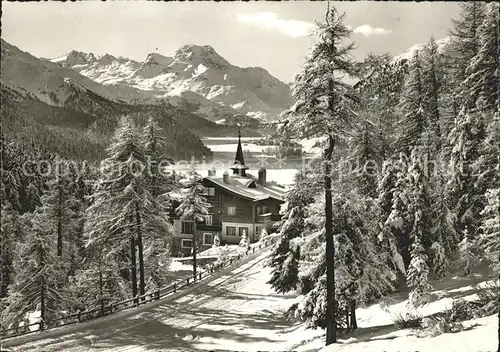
(160, 184)
(13, 231)
(284, 275)
(443, 233)
(81, 179)
(244, 242)
(365, 154)
(465, 39)
(158, 181)
(362, 270)
(483, 72)
(420, 231)
(490, 236)
(58, 205)
(38, 276)
(325, 107)
(400, 220)
(385, 189)
(417, 274)
(431, 85)
(387, 240)
(216, 241)
(123, 211)
(97, 284)
(193, 208)
(263, 234)
(291, 226)
(462, 196)
(411, 106)
(157, 262)
(487, 163)
(380, 85)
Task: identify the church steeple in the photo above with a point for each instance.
(239, 167)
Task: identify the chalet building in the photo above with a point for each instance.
(241, 203)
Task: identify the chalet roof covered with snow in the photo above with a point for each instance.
(248, 187)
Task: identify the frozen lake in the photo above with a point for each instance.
(279, 169)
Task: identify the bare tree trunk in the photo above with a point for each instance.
(142, 283)
(194, 250)
(331, 327)
(347, 324)
(101, 285)
(42, 304)
(133, 266)
(354, 323)
(59, 220)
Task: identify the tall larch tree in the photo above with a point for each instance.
(483, 72)
(465, 41)
(159, 183)
(411, 106)
(38, 276)
(123, 210)
(194, 207)
(324, 107)
(420, 231)
(13, 231)
(462, 196)
(431, 83)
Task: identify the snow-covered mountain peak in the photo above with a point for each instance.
(75, 57)
(157, 59)
(201, 54)
(442, 46)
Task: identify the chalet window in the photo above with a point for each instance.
(261, 209)
(208, 238)
(208, 220)
(231, 210)
(185, 243)
(187, 227)
(208, 191)
(230, 230)
(243, 230)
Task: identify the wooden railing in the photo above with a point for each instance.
(137, 301)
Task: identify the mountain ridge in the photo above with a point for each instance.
(195, 73)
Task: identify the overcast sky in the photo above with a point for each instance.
(272, 35)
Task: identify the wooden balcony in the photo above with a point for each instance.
(264, 217)
(213, 228)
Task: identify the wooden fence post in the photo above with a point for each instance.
(42, 325)
(187, 280)
(79, 316)
(158, 294)
(200, 276)
(175, 287)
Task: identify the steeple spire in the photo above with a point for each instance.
(239, 166)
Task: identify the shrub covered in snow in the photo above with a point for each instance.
(224, 257)
(439, 260)
(440, 324)
(216, 241)
(244, 242)
(263, 234)
(408, 320)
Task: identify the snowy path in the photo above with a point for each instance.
(241, 313)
